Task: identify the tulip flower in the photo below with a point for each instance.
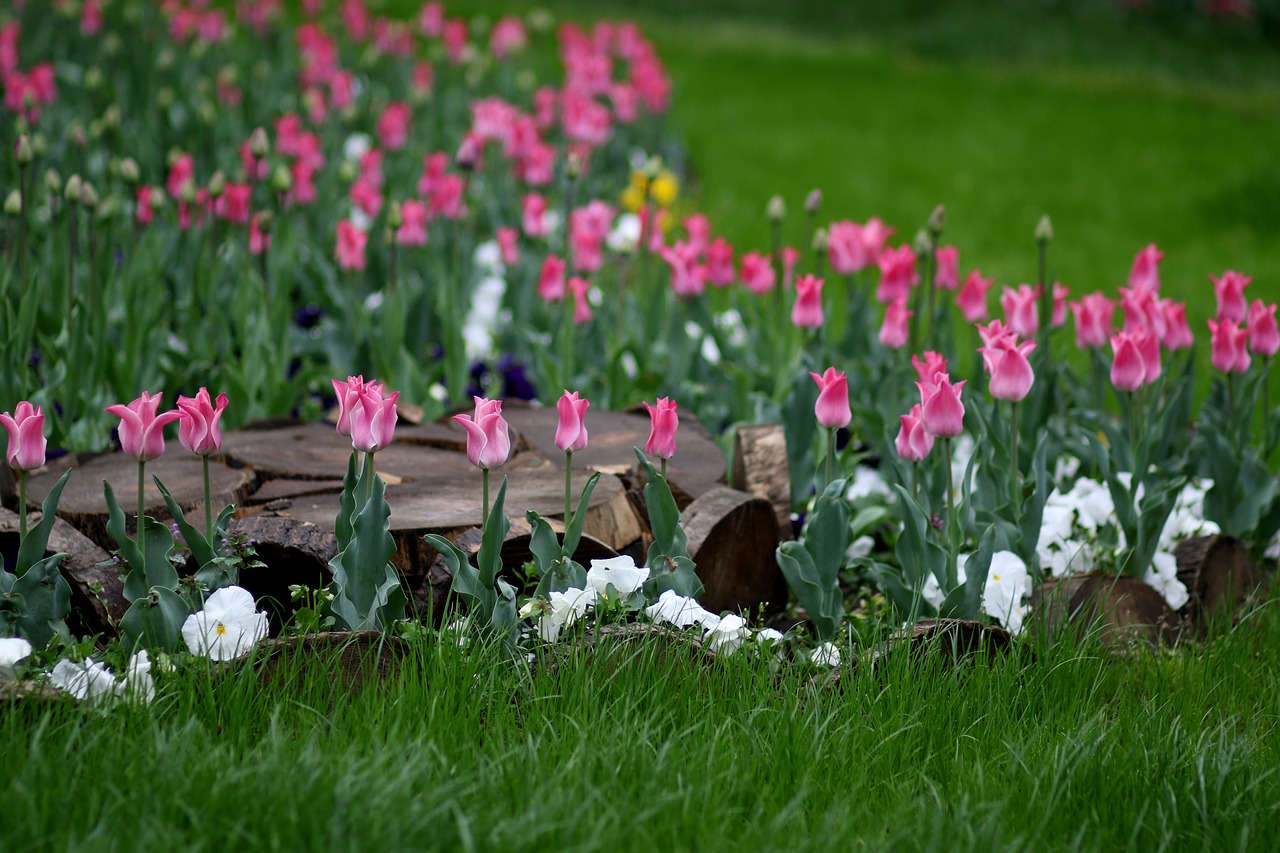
(199, 432)
(351, 244)
(1093, 315)
(1149, 348)
(895, 330)
(488, 441)
(1021, 309)
(688, 277)
(373, 419)
(941, 410)
(1178, 333)
(948, 275)
(26, 450)
(571, 436)
(720, 269)
(832, 409)
(348, 394)
(806, 312)
(533, 210)
(972, 298)
(508, 245)
(1128, 370)
(933, 364)
(1145, 273)
(413, 224)
(846, 251)
(913, 442)
(757, 273)
(663, 422)
(790, 256)
(1264, 338)
(1229, 292)
(897, 273)
(993, 332)
(142, 437)
(1006, 362)
(1058, 316)
(551, 279)
(1230, 353)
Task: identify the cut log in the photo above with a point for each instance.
(295, 552)
(84, 506)
(97, 593)
(732, 539)
(284, 490)
(317, 452)
(697, 468)
(1122, 609)
(760, 469)
(1219, 575)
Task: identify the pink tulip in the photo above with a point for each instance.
(1229, 291)
(1093, 315)
(571, 431)
(1006, 362)
(897, 273)
(757, 273)
(699, 230)
(895, 331)
(1059, 315)
(1128, 370)
(551, 279)
(662, 430)
(790, 256)
(533, 215)
(508, 245)
(1021, 309)
(144, 212)
(913, 441)
(972, 298)
(26, 437)
(846, 251)
(351, 243)
(413, 224)
(1145, 272)
(941, 411)
(373, 418)
(874, 235)
(993, 332)
(259, 241)
(720, 271)
(688, 277)
(234, 203)
(393, 125)
(832, 407)
(199, 429)
(1178, 333)
(1228, 343)
(581, 305)
(1264, 339)
(141, 429)
(933, 364)
(488, 437)
(948, 274)
(1149, 348)
(1143, 310)
(806, 311)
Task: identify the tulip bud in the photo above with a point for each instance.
(348, 171)
(111, 117)
(129, 170)
(207, 112)
(281, 178)
(165, 59)
(820, 240)
(923, 242)
(813, 202)
(88, 196)
(395, 215)
(188, 192)
(52, 181)
(108, 207)
(1044, 230)
(217, 183)
(265, 220)
(71, 192)
(259, 145)
(93, 79)
(96, 129)
(164, 97)
(38, 144)
(776, 210)
(13, 203)
(937, 220)
(111, 43)
(23, 151)
(158, 199)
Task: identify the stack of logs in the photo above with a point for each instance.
(284, 479)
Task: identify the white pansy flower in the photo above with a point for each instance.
(1007, 585)
(551, 220)
(138, 683)
(565, 608)
(825, 655)
(867, 481)
(482, 317)
(1273, 548)
(360, 219)
(679, 610)
(625, 234)
(12, 650)
(768, 636)
(620, 572)
(727, 634)
(861, 547)
(730, 322)
(961, 451)
(710, 351)
(85, 680)
(356, 146)
(1162, 576)
(227, 628)
(488, 258)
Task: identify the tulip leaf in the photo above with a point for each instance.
(490, 600)
(201, 546)
(1033, 512)
(36, 542)
(668, 559)
(367, 590)
(573, 527)
(347, 504)
(46, 597)
(489, 559)
(812, 567)
(965, 601)
(917, 553)
(155, 620)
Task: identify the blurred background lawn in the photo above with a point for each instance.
(1125, 127)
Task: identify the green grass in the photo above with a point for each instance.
(645, 747)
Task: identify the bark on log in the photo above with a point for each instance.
(317, 452)
(760, 468)
(97, 594)
(1123, 609)
(732, 539)
(1218, 574)
(84, 506)
(295, 552)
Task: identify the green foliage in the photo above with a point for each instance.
(35, 599)
(670, 566)
(156, 609)
(812, 566)
(214, 569)
(557, 570)
(366, 587)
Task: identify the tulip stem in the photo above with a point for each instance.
(915, 480)
(568, 483)
(664, 469)
(142, 507)
(22, 230)
(1231, 399)
(22, 506)
(1133, 438)
(484, 497)
(831, 456)
(208, 502)
(71, 259)
(1266, 408)
(1015, 493)
(369, 470)
(953, 540)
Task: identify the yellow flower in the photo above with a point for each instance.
(664, 189)
(633, 198)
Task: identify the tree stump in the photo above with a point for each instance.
(84, 506)
(97, 594)
(1219, 575)
(732, 539)
(295, 552)
(1123, 609)
(760, 468)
